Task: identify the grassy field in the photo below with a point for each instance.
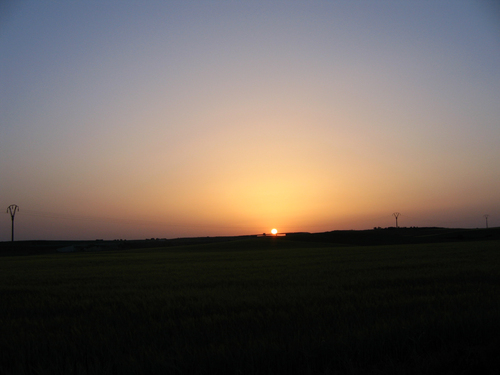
(256, 306)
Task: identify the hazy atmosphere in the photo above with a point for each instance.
(128, 119)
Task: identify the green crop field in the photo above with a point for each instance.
(254, 306)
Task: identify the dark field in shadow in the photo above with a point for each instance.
(249, 305)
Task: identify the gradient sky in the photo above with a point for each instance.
(139, 119)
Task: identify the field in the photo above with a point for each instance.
(254, 306)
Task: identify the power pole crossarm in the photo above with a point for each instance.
(12, 209)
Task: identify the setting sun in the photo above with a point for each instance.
(274, 231)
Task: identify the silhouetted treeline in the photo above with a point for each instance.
(377, 236)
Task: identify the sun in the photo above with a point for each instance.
(274, 231)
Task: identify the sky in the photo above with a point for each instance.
(164, 119)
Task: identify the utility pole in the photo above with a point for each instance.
(396, 215)
(486, 217)
(12, 210)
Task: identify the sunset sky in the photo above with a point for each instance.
(140, 119)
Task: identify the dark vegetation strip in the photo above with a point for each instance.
(380, 236)
(255, 306)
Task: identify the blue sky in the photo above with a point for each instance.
(126, 119)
